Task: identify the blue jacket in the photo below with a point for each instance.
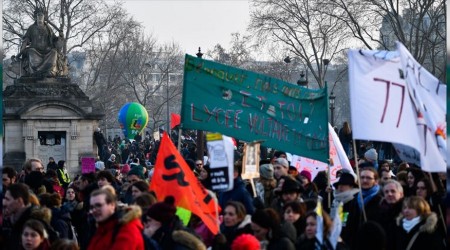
(238, 193)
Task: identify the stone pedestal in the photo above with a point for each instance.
(48, 117)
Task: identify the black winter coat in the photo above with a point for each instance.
(428, 237)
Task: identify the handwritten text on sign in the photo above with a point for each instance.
(251, 106)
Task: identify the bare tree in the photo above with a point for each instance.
(77, 20)
(377, 24)
(303, 29)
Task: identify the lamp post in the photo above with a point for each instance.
(167, 107)
(332, 98)
(200, 143)
(303, 81)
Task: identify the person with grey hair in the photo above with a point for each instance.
(390, 208)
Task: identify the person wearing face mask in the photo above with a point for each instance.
(416, 227)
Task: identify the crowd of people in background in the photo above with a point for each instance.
(397, 207)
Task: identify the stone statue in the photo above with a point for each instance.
(40, 54)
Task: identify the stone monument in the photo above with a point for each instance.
(45, 114)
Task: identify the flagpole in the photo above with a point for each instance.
(330, 161)
(179, 139)
(355, 155)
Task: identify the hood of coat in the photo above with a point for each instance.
(428, 227)
(129, 213)
(247, 220)
(188, 240)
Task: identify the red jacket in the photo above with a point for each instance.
(129, 235)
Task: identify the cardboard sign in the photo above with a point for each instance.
(250, 165)
(221, 158)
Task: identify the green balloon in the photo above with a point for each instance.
(133, 118)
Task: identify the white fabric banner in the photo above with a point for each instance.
(428, 96)
(381, 106)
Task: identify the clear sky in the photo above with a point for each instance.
(191, 23)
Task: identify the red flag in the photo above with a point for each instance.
(175, 120)
(173, 176)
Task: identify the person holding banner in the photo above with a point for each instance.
(368, 208)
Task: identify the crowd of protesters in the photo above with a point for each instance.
(397, 206)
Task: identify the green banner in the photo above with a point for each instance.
(250, 106)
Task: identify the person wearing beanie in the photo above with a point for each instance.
(370, 159)
(311, 191)
(163, 226)
(266, 226)
(265, 184)
(125, 169)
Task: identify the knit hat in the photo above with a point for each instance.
(125, 169)
(137, 172)
(245, 242)
(306, 174)
(163, 211)
(290, 186)
(371, 155)
(345, 179)
(281, 161)
(266, 171)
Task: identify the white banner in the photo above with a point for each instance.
(381, 106)
(428, 96)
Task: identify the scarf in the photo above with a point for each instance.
(345, 196)
(368, 195)
(409, 224)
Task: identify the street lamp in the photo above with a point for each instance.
(167, 95)
(332, 98)
(303, 81)
(200, 143)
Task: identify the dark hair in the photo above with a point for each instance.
(426, 181)
(109, 197)
(35, 225)
(239, 207)
(10, 172)
(50, 200)
(417, 173)
(19, 190)
(296, 206)
(61, 164)
(89, 177)
(141, 185)
(145, 200)
(107, 175)
(64, 244)
(51, 173)
(327, 222)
